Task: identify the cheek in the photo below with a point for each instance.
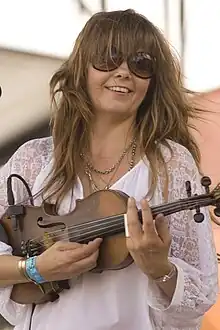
(93, 89)
(96, 79)
(142, 88)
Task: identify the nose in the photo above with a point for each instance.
(122, 71)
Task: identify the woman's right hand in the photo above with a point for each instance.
(64, 260)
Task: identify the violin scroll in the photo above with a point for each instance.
(214, 196)
(206, 182)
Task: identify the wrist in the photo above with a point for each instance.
(33, 272)
(163, 270)
(22, 270)
(29, 270)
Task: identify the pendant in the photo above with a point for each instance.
(94, 188)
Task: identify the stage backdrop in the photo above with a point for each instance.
(208, 138)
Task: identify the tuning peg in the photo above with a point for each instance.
(206, 182)
(188, 188)
(23, 248)
(198, 217)
(217, 211)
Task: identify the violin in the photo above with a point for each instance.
(33, 229)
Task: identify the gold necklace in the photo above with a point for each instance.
(91, 180)
(112, 168)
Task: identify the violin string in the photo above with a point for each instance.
(93, 235)
(160, 209)
(81, 226)
(93, 224)
(87, 230)
(84, 235)
(119, 228)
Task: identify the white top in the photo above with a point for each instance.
(125, 299)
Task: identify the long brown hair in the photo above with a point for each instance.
(164, 113)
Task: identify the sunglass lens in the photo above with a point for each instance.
(108, 62)
(142, 65)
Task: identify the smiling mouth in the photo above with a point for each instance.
(121, 90)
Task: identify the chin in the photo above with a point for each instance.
(114, 107)
(115, 111)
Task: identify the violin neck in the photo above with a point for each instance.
(115, 224)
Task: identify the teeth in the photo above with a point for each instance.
(119, 89)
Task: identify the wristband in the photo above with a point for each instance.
(32, 272)
(22, 269)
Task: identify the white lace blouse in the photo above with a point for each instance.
(125, 299)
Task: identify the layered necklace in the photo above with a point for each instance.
(89, 168)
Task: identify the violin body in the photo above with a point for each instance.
(32, 233)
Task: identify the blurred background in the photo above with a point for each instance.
(37, 36)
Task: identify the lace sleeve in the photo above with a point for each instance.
(192, 251)
(27, 162)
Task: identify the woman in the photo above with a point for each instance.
(121, 122)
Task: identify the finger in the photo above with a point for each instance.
(162, 228)
(132, 222)
(86, 264)
(65, 246)
(96, 241)
(148, 222)
(84, 251)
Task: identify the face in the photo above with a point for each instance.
(119, 92)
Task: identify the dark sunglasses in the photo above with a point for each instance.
(141, 64)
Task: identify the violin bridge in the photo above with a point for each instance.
(48, 240)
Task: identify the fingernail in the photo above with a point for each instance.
(144, 203)
(160, 217)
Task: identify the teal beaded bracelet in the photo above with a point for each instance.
(32, 272)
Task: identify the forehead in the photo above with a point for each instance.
(127, 34)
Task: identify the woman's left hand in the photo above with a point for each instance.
(148, 243)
